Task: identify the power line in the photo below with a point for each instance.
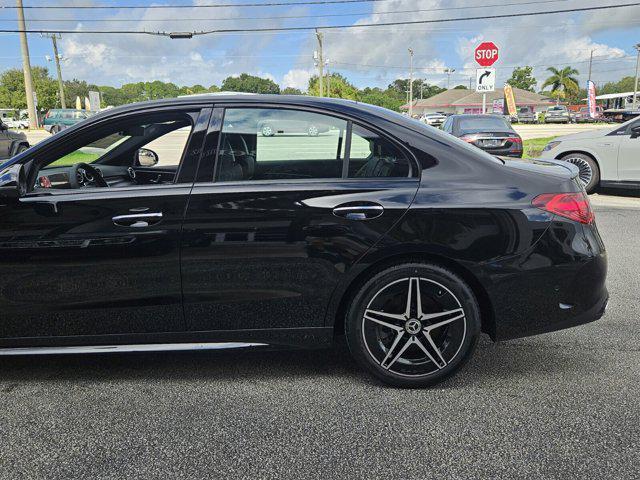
(327, 27)
(285, 17)
(210, 5)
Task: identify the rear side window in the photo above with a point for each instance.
(271, 144)
(375, 156)
(280, 144)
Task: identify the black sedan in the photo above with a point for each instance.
(177, 225)
(491, 133)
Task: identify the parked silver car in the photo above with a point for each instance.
(557, 114)
(607, 157)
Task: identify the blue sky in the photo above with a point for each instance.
(367, 56)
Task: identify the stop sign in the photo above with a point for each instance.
(486, 54)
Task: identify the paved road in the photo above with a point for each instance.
(561, 405)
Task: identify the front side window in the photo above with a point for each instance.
(271, 144)
(144, 150)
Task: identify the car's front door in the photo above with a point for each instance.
(629, 155)
(267, 242)
(99, 261)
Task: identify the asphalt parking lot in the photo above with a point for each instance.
(561, 405)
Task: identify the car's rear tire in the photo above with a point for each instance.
(422, 346)
(313, 131)
(589, 173)
(55, 129)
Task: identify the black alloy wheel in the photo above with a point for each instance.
(413, 325)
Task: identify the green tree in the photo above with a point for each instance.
(626, 84)
(339, 87)
(12, 94)
(522, 77)
(250, 84)
(461, 87)
(562, 82)
(77, 88)
(291, 91)
(382, 98)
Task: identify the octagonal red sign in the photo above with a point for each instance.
(486, 54)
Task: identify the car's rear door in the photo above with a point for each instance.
(90, 262)
(272, 230)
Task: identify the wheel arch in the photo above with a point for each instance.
(487, 317)
(16, 144)
(589, 154)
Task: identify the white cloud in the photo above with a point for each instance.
(297, 78)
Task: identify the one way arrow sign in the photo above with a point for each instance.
(485, 80)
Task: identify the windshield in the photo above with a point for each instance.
(482, 124)
(557, 109)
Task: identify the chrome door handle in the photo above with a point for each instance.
(359, 212)
(137, 220)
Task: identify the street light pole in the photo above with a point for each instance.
(410, 82)
(26, 67)
(449, 71)
(635, 88)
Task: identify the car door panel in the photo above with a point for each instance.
(89, 262)
(269, 255)
(629, 158)
(69, 270)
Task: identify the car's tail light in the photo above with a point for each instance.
(516, 143)
(469, 138)
(575, 206)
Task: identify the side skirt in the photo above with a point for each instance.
(153, 347)
(319, 337)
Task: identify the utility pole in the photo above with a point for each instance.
(56, 56)
(326, 64)
(470, 81)
(320, 61)
(26, 67)
(421, 88)
(410, 82)
(590, 64)
(635, 88)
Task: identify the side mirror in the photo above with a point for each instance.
(13, 182)
(147, 158)
(635, 131)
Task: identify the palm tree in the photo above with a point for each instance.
(562, 82)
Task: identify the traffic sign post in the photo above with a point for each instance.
(486, 54)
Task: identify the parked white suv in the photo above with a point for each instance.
(609, 157)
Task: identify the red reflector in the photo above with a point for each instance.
(575, 206)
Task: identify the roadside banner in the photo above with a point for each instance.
(94, 101)
(591, 98)
(498, 106)
(510, 99)
(78, 103)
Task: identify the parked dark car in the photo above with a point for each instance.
(58, 119)
(491, 133)
(405, 239)
(11, 142)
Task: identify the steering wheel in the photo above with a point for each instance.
(84, 175)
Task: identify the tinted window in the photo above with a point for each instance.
(479, 124)
(375, 156)
(270, 144)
